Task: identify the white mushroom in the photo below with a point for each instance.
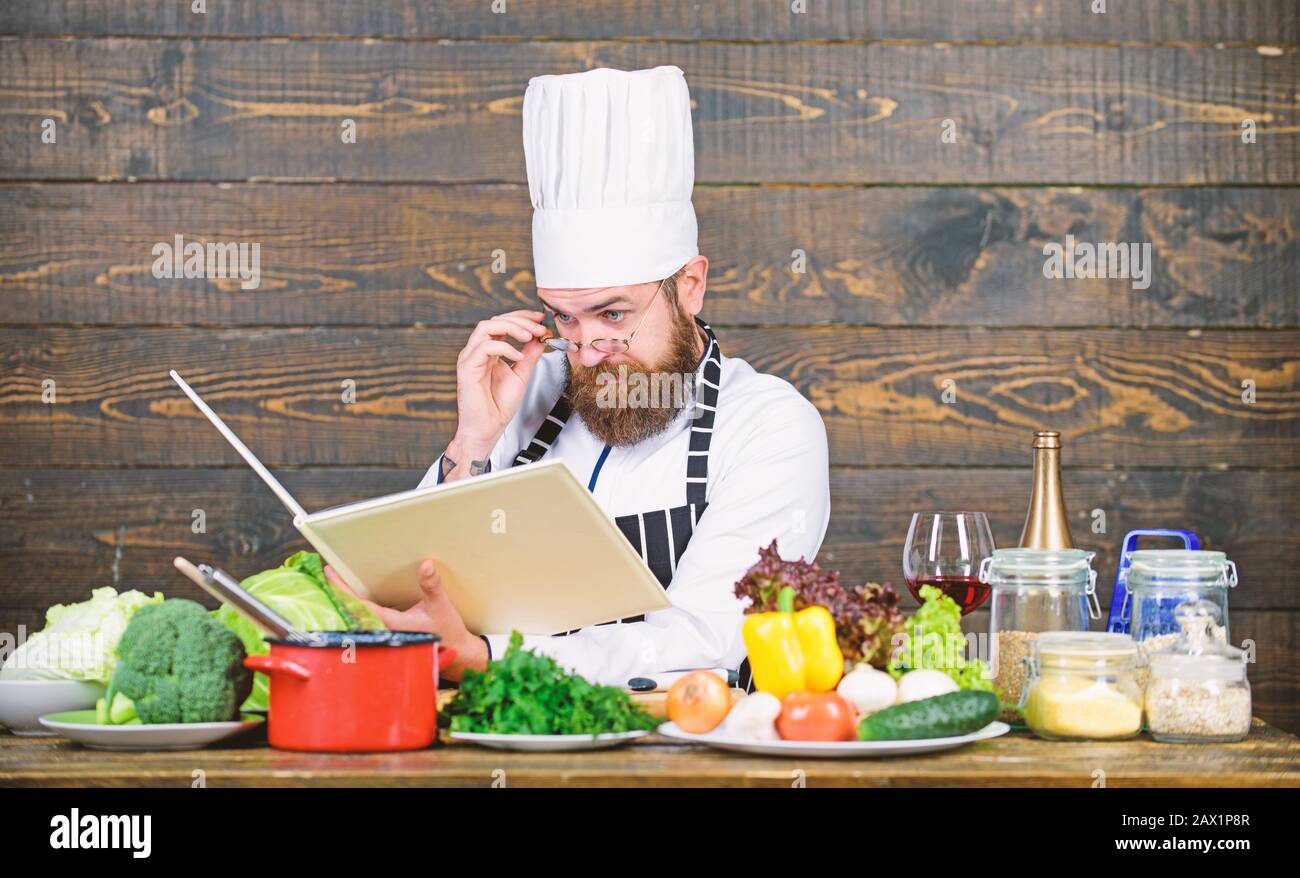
(868, 689)
(924, 683)
(753, 718)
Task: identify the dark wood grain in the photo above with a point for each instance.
(1267, 21)
(69, 530)
(238, 109)
(1269, 757)
(1120, 397)
(410, 254)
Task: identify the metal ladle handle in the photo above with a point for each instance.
(226, 588)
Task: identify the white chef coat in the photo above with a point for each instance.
(768, 478)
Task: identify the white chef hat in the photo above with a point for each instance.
(611, 164)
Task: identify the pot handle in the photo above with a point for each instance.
(445, 656)
(271, 666)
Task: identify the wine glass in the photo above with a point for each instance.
(945, 549)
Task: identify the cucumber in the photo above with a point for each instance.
(943, 716)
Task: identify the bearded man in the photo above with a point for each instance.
(699, 475)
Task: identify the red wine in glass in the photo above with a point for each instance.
(967, 591)
(944, 549)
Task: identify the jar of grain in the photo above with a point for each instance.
(1197, 692)
(1031, 591)
(1082, 687)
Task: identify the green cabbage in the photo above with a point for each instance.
(298, 591)
(79, 641)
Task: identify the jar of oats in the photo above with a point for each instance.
(1197, 692)
(1033, 591)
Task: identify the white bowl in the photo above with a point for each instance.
(24, 702)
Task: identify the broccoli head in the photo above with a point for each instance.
(178, 664)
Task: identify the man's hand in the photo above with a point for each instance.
(434, 612)
(489, 388)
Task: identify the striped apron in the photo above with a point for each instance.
(660, 536)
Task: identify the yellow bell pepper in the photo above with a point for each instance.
(793, 652)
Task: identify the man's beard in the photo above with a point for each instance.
(614, 414)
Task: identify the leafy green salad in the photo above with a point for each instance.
(523, 693)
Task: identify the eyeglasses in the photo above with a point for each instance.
(604, 345)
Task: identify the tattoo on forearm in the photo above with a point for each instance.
(476, 467)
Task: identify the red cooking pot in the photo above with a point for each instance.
(354, 691)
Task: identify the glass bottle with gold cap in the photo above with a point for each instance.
(1046, 525)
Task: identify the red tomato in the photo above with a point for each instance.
(698, 701)
(816, 716)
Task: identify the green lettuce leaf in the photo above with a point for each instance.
(935, 641)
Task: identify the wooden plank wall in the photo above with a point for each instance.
(818, 132)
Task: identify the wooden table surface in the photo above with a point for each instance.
(1269, 757)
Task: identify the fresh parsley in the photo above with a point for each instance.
(523, 693)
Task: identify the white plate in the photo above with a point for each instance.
(24, 702)
(549, 743)
(80, 726)
(833, 749)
